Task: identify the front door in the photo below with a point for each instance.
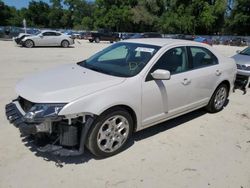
(165, 98)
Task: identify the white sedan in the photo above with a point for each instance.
(131, 85)
(47, 38)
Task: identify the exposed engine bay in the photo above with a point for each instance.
(64, 136)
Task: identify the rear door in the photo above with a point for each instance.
(47, 39)
(205, 75)
(57, 39)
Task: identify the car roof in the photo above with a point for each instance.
(163, 42)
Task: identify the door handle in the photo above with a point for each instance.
(218, 72)
(186, 81)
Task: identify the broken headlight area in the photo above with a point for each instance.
(52, 133)
(43, 112)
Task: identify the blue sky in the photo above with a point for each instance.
(20, 3)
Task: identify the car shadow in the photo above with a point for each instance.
(59, 160)
(138, 136)
(178, 121)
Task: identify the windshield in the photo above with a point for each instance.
(37, 32)
(245, 51)
(121, 59)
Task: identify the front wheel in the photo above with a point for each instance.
(110, 133)
(29, 44)
(218, 99)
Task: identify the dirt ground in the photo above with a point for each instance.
(197, 150)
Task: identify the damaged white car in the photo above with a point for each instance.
(98, 103)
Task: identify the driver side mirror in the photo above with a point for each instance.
(238, 51)
(161, 74)
(40, 35)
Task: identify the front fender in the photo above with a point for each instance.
(128, 93)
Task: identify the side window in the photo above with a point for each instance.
(46, 34)
(174, 60)
(53, 34)
(202, 57)
(49, 34)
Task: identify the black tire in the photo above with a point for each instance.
(65, 44)
(213, 105)
(28, 43)
(111, 41)
(98, 125)
(90, 40)
(97, 40)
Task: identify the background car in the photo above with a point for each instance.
(204, 40)
(238, 41)
(146, 35)
(102, 35)
(125, 36)
(183, 37)
(242, 59)
(47, 38)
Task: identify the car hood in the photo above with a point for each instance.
(64, 84)
(241, 59)
(31, 37)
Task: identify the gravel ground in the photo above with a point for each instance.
(197, 150)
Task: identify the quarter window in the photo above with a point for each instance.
(202, 57)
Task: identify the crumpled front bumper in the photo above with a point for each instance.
(15, 115)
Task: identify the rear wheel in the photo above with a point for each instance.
(90, 40)
(218, 99)
(110, 133)
(65, 44)
(97, 40)
(29, 44)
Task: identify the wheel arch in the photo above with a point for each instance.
(65, 40)
(30, 40)
(129, 110)
(227, 83)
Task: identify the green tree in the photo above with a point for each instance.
(193, 16)
(113, 14)
(87, 23)
(78, 9)
(5, 14)
(239, 21)
(37, 14)
(56, 14)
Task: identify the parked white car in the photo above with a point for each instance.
(131, 85)
(47, 38)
